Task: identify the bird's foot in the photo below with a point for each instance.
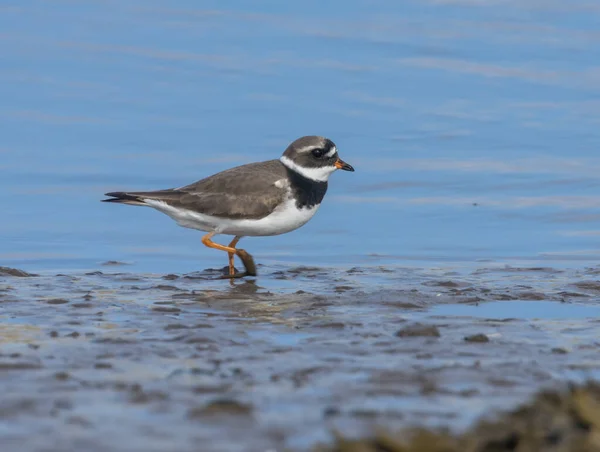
(249, 266)
(248, 262)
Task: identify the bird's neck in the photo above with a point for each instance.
(307, 192)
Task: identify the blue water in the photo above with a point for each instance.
(544, 310)
(473, 128)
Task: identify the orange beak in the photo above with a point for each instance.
(340, 164)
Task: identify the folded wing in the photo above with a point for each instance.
(249, 191)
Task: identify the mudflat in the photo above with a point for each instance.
(113, 360)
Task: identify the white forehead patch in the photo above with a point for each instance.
(317, 174)
(331, 152)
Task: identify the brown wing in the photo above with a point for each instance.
(247, 191)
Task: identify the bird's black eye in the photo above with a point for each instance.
(318, 153)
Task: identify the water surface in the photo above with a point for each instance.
(452, 275)
(473, 127)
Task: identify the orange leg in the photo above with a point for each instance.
(232, 245)
(206, 240)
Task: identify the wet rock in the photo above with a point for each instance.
(566, 421)
(449, 284)
(113, 263)
(330, 325)
(419, 330)
(567, 294)
(207, 273)
(103, 366)
(304, 269)
(16, 365)
(428, 387)
(331, 411)
(130, 278)
(559, 351)
(57, 301)
(355, 270)
(114, 340)
(510, 269)
(166, 287)
(7, 271)
(168, 309)
(198, 340)
(211, 389)
(221, 407)
(403, 304)
(341, 289)
(385, 270)
(184, 295)
(588, 285)
(175, 326)
(480, 338)
(531, 296)
(138, 395)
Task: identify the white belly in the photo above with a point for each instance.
(285, 218)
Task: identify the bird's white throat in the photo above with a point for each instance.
(316, 174)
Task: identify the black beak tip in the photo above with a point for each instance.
(347, 167)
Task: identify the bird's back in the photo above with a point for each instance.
(240, 180)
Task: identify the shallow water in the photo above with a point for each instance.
(116, 360)
(539, 310)
(473, 212)
(472, 126)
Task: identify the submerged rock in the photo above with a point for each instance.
(419, 330)
(554, 421)
(7, 271)
(477, 338)
(222, 407)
